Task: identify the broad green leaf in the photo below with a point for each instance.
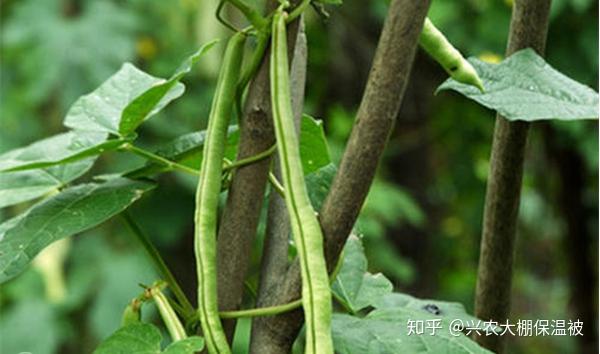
(20, 186)
(318, 183)
(525, 87)
(117, 107)
(151, 101)
(58, 149)
(188, 345)
(73, 210)
(144, 338)
(313, 145)
(101, 110)
(140, 338)
(354, 285)
(447, 311)
(386, 331)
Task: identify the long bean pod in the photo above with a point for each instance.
(316, 293)
(207, 195)
(167, 313)
(437, 45)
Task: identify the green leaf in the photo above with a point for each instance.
(101, 110)
(318, 183)
(188, 345)
(525, 87)
(313, 145)
(117, 107)
(20, 186)
(386, 331)
(144, 338)
(139, 338)
(447, 311)
(354, 285)
(155, 98)
(73, 210)
(58, 149)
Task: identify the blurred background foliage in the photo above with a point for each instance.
(422, 219)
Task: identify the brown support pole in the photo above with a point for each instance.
(528, 28)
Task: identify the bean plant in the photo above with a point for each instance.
(325, 284)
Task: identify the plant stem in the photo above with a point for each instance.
(262, 311)
(258, 312)
(159, 263)
(298, 10)
(251, 159)
(528, 28)
(277, 186)
(159, 159)
(251, 14)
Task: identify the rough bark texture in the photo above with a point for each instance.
(275, 248)
(378, 109)
(528, 28)
(240, 217)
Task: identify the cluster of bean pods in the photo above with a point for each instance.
(308, 237)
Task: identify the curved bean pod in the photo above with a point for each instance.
(435, 44)
(316, 293)
(207, 195)
(168, 315)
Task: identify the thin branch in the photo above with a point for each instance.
(250, 160)
(159, 159)
(378, 109)
(262, 311)
(277, 186)
(528, 28)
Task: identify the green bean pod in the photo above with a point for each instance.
(168, 315)
(435, 44)
(207, 195)
(316, 293)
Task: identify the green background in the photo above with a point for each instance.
(422, 219)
